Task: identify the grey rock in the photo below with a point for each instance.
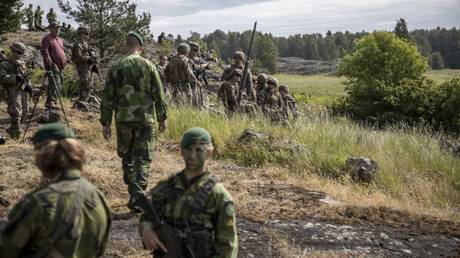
(250, 135)
(362, 170)
(450, 146)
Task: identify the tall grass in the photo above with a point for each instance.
(410, 162)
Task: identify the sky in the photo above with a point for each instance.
(289, 17)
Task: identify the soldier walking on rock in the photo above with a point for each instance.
(83, 60)
(66, 217)
(38, 19)
(51, 16)
(12, 84)
(179, 75)
(133, 91)
(195, 204)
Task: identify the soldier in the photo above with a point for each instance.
(161, 38)
(51, 16)
(238, 63)
(134, 92)
(55, 60)
(161, 66)
(29, 13)
(289, 101)
(180, 76)
(81, 55)
(197, 206)
(38, 19)
(66, 217)
(261, 82)
(270, 101)
(228, 91)
(199, 67)
(13, 82)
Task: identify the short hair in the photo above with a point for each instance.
(132, 41)
(55, 156)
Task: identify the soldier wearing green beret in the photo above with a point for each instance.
(67, 216)
(133, 91)
(196, 205)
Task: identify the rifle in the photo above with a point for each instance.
(246, 65)
(21, 69)
(163, 230)
(94, 68)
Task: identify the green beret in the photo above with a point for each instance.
(137, 36)
(52, 131)
(195, 135)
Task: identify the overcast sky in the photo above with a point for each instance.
(288, 17)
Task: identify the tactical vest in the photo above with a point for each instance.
(176, 70)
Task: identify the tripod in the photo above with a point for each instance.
(51, 88)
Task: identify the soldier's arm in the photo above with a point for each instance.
(81, 57)
(108, 100)
(158, 95)
(106, 236)
(190, 75)
(226, 240)
(23, 223)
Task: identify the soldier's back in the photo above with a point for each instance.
(36, 218)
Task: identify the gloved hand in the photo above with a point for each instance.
(20, 78)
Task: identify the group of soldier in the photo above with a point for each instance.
(184, 78)
(194, 215)
(33, 19)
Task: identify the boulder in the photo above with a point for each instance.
(250, 135)
(451, 147)
(361, 170)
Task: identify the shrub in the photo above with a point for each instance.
(447, 106)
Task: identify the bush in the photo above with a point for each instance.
(446, 114)
(385, 81)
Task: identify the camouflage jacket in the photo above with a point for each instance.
(179, 70)
(161, 72)
(173, 201)
(8, 71)
(80, 54)
(228, 93)
(29, 13)
(290, 104)
(248, 86)
(32, 220)
(133, 91)
(51, 17)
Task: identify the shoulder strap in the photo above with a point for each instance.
(201, 197)
(63, 225)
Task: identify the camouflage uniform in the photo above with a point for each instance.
(29, 13)
(51, 16)
(214, 224)
(11, 89)
(38, 18)
(180, 76)
(288, 101)
(134, 92)
(198, 65)
(270, 101)
(34, 219)
(83, 60)
(228, 92)
(248, 86)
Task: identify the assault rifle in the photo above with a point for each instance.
(246, 65)
(163, 230)
(93, 55)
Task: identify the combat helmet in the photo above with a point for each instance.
(194, 46)
(183, 48)
(239, 55)
(272, 82)
(262, 79)
(284, 88)
(18, 47)
(83, 29)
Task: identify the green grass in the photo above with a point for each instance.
(323, 89)
(412, 167)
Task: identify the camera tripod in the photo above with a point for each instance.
(50, 88)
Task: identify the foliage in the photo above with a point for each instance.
(401, 29)
(385, 81)
(109, 20)
(447, 104)
(10, 15)
(436, 61)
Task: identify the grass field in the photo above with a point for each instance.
(325, 88)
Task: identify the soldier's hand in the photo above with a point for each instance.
(151, 240)
(162, 126)
(106, 132)
(28, 89)
(20, 78)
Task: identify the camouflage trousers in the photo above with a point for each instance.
(54, 82)
(135, 146)
(13, 98)
(84, 83)
(181, 93)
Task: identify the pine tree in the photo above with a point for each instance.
(109, 20)
(10, 15)
(311, 49)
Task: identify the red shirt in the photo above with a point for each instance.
(53, 47)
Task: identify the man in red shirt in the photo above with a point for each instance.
(55, 61)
